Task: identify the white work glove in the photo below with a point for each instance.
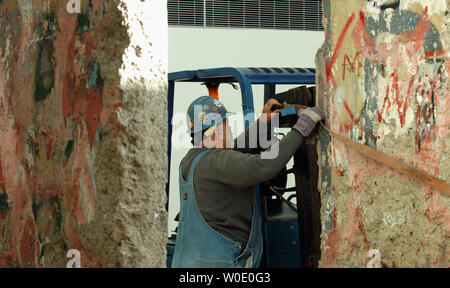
(307, 120)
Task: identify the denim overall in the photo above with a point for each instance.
(200, 246)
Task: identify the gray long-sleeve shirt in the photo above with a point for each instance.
(224, 183)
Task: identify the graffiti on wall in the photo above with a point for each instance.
(384, 72)
(54, 110)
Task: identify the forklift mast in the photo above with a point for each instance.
(291, 231)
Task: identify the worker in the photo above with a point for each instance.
(220, 221)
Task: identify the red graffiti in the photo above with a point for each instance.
(79, 102)
(352, 65)
(349, 111)
(412, 42)
(432, 54)
(118, 105)
(330, 64)
(394, 89)
(398, 92)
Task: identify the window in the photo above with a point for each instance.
(265, 14)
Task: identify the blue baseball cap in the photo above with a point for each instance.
(206, 112)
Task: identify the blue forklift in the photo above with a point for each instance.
(291, 229)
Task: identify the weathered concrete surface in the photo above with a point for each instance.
(83, 133)
(382, 79)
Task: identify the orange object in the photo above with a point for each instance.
(185, 196)
(214, 92)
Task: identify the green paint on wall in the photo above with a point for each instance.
(52, 25)
(94, 77)
(44, 77)
(35, 207)
(69, 149)
(42, 249)
(4, 207)
(84, 20)
(58, 215)
(100, 133)
(83, 23)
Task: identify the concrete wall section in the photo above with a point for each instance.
(82, 143)
(382, 78)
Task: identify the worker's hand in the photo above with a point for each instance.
(267, 112)
(307, 120)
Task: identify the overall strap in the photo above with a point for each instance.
(194, 163)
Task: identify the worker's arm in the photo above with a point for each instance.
(243, 170)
